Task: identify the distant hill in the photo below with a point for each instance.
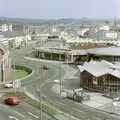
(48, 21)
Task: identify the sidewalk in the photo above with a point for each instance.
(97, 100)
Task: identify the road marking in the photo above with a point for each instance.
(14, 118)
(35, 116)
(19, 114)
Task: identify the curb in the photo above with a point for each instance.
(23, 78)
(33, 71)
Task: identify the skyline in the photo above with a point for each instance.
(54, 9)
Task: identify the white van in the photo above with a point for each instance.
(8, 85)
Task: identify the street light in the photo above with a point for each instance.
(42, 85)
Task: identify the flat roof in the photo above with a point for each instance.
(9, 34)
(110, 51)
(78, 52)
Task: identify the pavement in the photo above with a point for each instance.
(97, 100)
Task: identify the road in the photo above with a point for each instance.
(40, 76)
(25, 111)
(20, 112)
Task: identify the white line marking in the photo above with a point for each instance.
(14, 118)
(19, 114)
(35, 116)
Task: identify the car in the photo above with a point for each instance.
(12, 100)
(45, 67)
(8, 85)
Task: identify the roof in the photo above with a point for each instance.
(55, 45)
(101, 68)
(77, 52)
(112, 51)
(9, 34)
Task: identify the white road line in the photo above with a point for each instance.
(19, 114)
(35, 116)
(14, 118)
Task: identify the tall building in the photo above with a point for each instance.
(5, 65)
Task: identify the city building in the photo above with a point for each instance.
(5, 27)
(105, 27)
(5, 64)
(100, 76)
(14, 39)
(111, 54)
(59, 54)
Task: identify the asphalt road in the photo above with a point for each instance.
(40, 76)
(25, 111)
(20, 112)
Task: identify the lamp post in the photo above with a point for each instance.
(42, 85)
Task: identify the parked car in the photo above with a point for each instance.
(12, 101)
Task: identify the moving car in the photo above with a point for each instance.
(12, 101)
(45, 67)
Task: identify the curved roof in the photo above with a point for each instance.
(112, 51)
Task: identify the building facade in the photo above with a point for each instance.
(59, 54)
(5, 65)
(100, 76)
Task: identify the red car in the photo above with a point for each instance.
(45, 67)
(12, 101)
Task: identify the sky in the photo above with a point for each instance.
(54, 9)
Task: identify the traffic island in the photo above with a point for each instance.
(20, 72)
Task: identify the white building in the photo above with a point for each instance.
(6, 27)
(13, 40)
(105, 27)
(83, 31)
(110, 35)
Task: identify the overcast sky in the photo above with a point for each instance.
(60, 8)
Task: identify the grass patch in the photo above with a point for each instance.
(18, 73)
(50, 110)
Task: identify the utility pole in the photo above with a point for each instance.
(40, 103)
(60, 82)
